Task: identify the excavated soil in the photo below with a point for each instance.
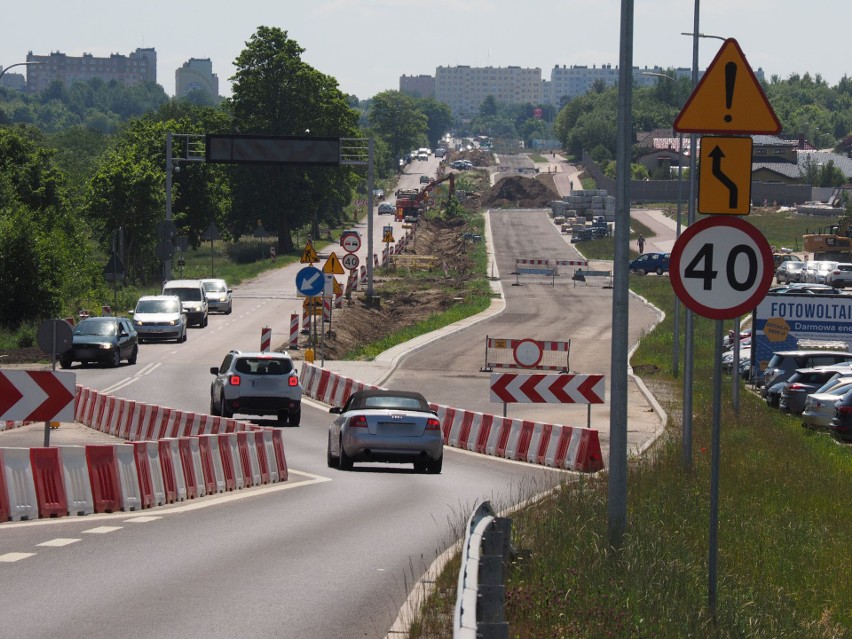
(519, 192)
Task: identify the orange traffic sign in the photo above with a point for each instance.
(309, 255)
(728, 99)
(724, 182)
(333, 265)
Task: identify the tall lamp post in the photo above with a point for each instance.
(17, 64)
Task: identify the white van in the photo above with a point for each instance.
(192, 299)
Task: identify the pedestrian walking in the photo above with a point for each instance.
(641, 242)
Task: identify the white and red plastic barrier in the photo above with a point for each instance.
(551, 445)
(193, 455)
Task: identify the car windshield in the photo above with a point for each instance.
(186, 294)
(95, 328)
(215, 287)
(263, 366)
(157, 306)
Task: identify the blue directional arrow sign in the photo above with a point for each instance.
(310, 282)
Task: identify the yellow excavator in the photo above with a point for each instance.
(832, 242)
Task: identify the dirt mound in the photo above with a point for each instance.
(519, 192)
(477, 157)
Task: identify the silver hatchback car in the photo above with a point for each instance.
(218, 295)
(386, 426)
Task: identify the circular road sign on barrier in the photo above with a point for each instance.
(350, 261)
(721, 267)
(528, 353)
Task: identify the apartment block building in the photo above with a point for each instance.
(464, 88)
(196, 74)
(422, 86)
(134, 68)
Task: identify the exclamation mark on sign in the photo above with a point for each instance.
(730, 80)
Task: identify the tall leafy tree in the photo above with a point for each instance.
(276, 93)
(396, 118)
(439, 119)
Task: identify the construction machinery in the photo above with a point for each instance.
(410, 203)
(832, 242)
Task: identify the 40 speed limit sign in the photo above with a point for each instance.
(721, 267)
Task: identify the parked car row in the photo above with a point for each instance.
(109, 340)
(835, 274)
(816, 384)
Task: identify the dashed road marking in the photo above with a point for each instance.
(58, 542)
(12, 557)
(102, 530)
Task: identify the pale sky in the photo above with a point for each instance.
(367, 44)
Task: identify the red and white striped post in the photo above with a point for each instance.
(294, 331)
(265, 339)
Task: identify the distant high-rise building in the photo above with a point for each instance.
(465, 88)
(13, 80)
(418, 85)
(196, 75)
(134, 68)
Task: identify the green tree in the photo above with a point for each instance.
(396, 118)
(439, 118)
(276, 93)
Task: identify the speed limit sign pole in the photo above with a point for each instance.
(720, 268)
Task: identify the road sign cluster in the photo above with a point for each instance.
(722, 267)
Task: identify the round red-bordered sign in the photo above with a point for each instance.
(527, 353)
(721, 267)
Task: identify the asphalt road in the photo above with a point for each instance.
(328, 553)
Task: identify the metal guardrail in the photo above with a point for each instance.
(481, 596)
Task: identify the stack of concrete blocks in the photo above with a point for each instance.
(588, 204)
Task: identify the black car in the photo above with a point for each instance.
(105, 340)
(804, 381)
(841, 425)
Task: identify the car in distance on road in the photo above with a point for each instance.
(840, 276)
(386, 208)
(106, 340)
(218, 295)
(386, 426)
(425, 179)
(651, 263)
(192, 299)
(788, 271)
(378, 194)
(159, 317)
(257, 383)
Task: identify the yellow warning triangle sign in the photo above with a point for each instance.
(388, 236)
(333, 265)
(338, 289)
(309, 255)
(728, 99)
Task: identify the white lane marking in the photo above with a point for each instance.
(146, 370)
(12, 557)
(171, 509)
(142, 520)
(58, 542)
(102, 530)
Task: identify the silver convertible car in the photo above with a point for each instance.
(386, 426)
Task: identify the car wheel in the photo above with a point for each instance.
(65, 362)
(213, 410)
(282, 417)
(183, 335)
(344, 462)
(204, 324)
(228, 312)
(225, 410)
(294, 418)
(435, 465)
(420, 466)
(660, 270)
(133, 355)
(330, 459)
(640, 271)
(116, 358)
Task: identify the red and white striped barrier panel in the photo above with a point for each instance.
(294, 331)
(531, 262)
(192, 450)
(363, 278)
(547, 389)
(580, 263)
(265, 339)
(556, 446)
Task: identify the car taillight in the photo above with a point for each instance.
(796, 387)
(293, 381)
(234, 380)
(433, 424)
(359, 421)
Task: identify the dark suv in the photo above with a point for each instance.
(257, 383)
(784, 363)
